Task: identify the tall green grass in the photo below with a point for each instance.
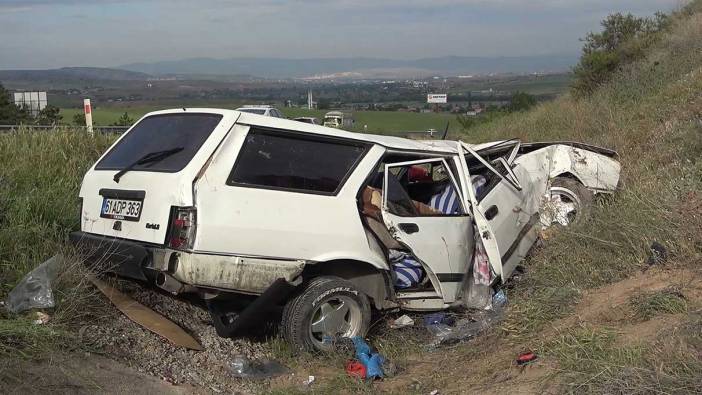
(40, 175)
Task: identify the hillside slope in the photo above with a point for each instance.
(651, 113)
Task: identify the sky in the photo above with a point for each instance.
(108, 33)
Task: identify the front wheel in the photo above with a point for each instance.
(569, 201)
(328, 308)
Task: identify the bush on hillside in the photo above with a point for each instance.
(623, 39)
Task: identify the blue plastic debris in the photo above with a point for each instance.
(438, 318)
(372, 361)
(499, 300)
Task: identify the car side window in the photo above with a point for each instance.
(294, 162)
(422, 189)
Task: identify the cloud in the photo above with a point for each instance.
(114, 32)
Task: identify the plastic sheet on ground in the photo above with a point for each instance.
(243, 367)
(468, 328)
(401, 322)
(34, 290)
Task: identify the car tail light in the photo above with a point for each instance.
(181, 235)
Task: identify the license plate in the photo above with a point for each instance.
(122, 209)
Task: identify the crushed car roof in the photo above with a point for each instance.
(398, 143)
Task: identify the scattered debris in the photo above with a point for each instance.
(34, 290)
(439, 318)
(658, 254)
(402, 322)
(499, 300)
(355, 369)
(40, 318)
(435, 392)
(445, 332)
(526, 358)
(245, 368)
(309, 381)
(116, 335)
(147, 318)
(373, 362)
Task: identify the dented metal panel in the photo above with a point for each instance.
(244, 274)
(597, 172)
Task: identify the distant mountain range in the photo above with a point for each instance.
(356, 67)
(241, 69)
(73, 74)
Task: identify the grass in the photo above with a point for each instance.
(650, 304)
(593, 360)
(40, 174)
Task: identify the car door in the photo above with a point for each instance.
(505, 208)
(443, 242)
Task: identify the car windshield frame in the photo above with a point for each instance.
(257, 111)
(185, 131)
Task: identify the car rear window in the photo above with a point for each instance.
(159, 133)
(295, 162)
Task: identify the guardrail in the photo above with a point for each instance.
(52, 128)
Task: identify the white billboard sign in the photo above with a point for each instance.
(437, 98)
(31, 101)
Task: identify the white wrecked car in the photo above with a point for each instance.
(235, 207)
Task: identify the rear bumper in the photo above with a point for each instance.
(125, 258)
(141, 261)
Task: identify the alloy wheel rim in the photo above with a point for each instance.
(563, 207)
(338, 316)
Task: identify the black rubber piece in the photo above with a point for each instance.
(122, 257)
(229, 324)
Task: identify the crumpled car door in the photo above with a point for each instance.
(442, 242)
(505, 209)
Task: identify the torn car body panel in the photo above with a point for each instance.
(597, 172)
(244, 274)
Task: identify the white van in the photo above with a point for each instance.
(326, 223)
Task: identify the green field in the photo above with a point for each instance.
(383, 122)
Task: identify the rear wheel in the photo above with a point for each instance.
(327, 308)
(569, 202)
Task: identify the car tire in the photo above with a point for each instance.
(570, 200)
(327, 308)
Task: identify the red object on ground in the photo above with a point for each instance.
(355, 369)
(525, 358)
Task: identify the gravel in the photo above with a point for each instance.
(119, 337)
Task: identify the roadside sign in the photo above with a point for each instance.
(88, 116)
(437, 98)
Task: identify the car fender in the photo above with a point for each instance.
(597, 172)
